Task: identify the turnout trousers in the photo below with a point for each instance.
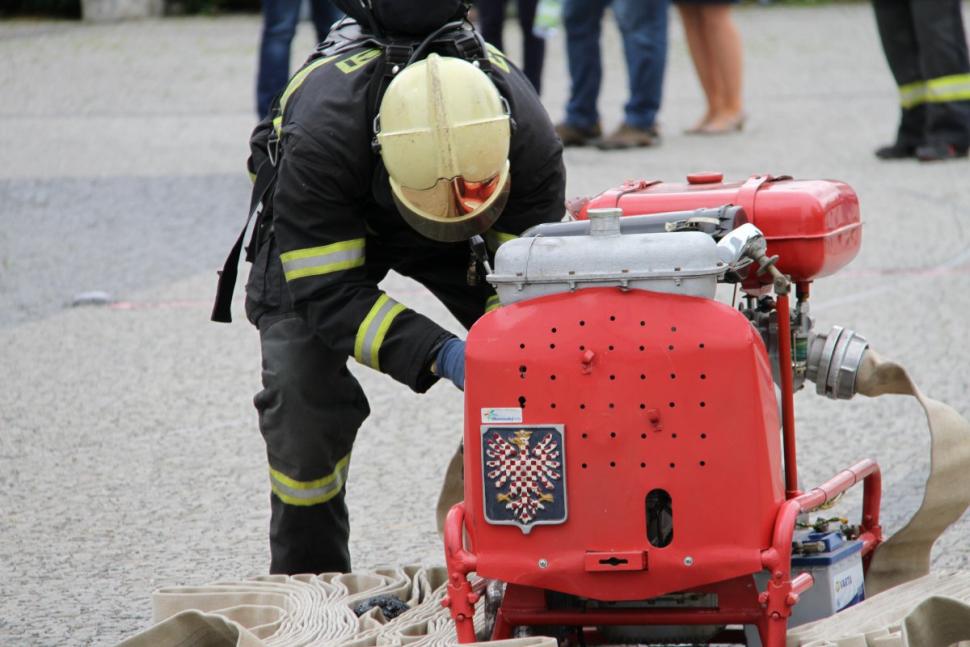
(926, 48)
(310, 406)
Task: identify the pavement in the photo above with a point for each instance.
(129, 453)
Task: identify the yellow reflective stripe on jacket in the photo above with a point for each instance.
(495, 239)
(492, 303)
(296, 492)
(300, 77)
(323, 260)
(373, 329)
(955, 87)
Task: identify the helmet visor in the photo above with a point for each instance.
(454, 209)
(452, 198)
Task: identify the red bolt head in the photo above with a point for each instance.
(473, 598)
(446, 602)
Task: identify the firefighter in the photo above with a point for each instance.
(926, 48)
(457, 148)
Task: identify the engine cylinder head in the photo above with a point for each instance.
(833, 362)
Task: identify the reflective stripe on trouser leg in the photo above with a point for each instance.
(309, 411)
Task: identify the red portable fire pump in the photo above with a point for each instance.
(625, 478)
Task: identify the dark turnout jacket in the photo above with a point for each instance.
(336, 227)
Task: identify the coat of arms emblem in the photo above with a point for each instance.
(523, 470)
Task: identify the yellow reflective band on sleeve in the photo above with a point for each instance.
(252, 176)
(495, 239)
(955, 87)
(299, 78)
(306, 493)
(492, 303)
(373, 329)
(323, 260)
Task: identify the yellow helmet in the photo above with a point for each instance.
(444, 138)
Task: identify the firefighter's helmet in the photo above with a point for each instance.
(444, 138)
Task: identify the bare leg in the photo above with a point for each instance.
(724, 45)
(700, 54)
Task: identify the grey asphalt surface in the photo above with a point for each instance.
(129, 454)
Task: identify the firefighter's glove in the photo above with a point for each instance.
(450, 362)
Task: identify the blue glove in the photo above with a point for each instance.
(450, 362)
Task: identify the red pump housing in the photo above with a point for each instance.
(813, 226)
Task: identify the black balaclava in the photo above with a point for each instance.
(404, 17)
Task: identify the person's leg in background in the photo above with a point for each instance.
(324, 15)
(491, 20)
(533, 47)
(582, 21)
(643, 25)
(692, 19)
(898, 35)
(279, 26)
(725, 64)
(945, 65)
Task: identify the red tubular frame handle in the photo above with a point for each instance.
(460, 599)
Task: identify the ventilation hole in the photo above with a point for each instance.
(642, 376)
(521, 345)
(522, 401)
(673, 329)
(612, 377)
(612, 434)
(703, 436)
(703, 463)
(673, 435)
(673, 465)
(582, 323)
(552, 345)
(582, 348)
(585, 436)
(702, 345)
(522, 375)
(582, 406)
(553, 405)
(660, 518)
(641, 348)
(672, 405)
(703, 377)
(643, 323)
(522, 369)
(643, 436)
(671, 347)
(584, 465)
(703, 405)
(612, 463)
(643, 406)
(553, 330)
(552, 377)
(611, 348)
(673, 376)
(643, 464)
(612, 318)
(611, 405)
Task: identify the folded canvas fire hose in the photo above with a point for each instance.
(906, 605)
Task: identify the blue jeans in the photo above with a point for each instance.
(279, 26)
(643, 25)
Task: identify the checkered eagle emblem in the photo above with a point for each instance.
(524, 476)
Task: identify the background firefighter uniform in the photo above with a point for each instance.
(926, 47)
(333, 234)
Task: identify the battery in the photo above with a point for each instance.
(837, 570)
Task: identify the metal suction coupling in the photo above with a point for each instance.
(834, 359)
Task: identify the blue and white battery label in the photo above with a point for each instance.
(849, 586)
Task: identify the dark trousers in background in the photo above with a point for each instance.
(926, 47)
(491, 18)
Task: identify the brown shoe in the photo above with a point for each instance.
(573, 136)
(627, 136)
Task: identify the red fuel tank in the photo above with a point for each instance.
(812, 225)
